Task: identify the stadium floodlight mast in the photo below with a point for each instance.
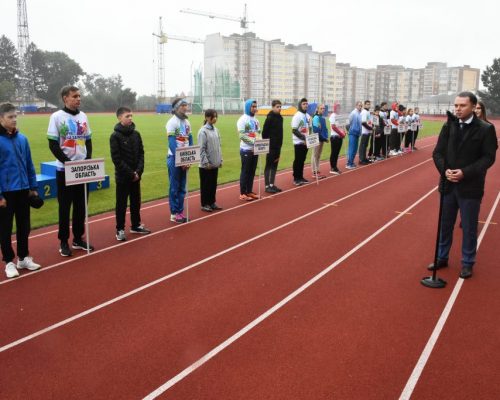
(242, 20)
(27, 85)
(162, 39)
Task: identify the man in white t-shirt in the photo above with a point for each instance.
(301, 126)
(69, 137)
(366, 132)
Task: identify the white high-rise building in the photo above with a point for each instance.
(265, 70)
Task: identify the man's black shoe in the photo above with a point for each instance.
(81, 244)
(206, 208)
(64, 250)
(466, 272)
(440, 264)
(215, 207)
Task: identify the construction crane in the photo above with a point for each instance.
(242, 20)
(162, 39)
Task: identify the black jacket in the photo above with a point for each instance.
(127, 152)
(273, 130)
(472, 150)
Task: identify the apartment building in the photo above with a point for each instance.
(242, 66)
(266, 70)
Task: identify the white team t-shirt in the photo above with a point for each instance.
(181, 129)
(365, 118)
(302, 123)
(249, 126)
(71, 132)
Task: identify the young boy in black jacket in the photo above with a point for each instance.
(273, 130)
(127, 153)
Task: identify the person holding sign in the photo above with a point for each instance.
(416, 117)
(336, 138)
(319, 127)
(17, 185)
(210, 161)
(273, 130)
(354, 133)
(366, 132)
(410, 135)
(301, 125)
(395, 138)
(127, 153)
(70, 139)
(179, 135)
(248, 129)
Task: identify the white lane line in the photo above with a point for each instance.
(72, 259)
(193, 265)
(194, 195)
(181, 375)
(426, 353)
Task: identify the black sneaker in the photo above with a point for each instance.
(298, 182)
(206, 208)
(141, 229)
(304, 181)
(277, 189)
(64, 250)
(81, 244)
(215, 207)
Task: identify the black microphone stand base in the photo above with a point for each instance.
(433, 282)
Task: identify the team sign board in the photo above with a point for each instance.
(187, 155)
(261, 146)
(414, 126)
(401, 128)
(387, 130)
(312, 140)
(84, 171)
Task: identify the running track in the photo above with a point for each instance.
(310, 294)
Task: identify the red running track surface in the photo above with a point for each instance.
(355, 333)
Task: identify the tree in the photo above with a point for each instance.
(9, 69)
(52, 70)
(147, 103)
(491, 81)
(106, 94)
(7, 91)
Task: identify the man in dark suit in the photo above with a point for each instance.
(466, 148)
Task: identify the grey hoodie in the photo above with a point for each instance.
(210, 150)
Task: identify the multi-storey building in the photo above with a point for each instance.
(244, 66)
(266, 70)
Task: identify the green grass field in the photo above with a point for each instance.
(155, 181)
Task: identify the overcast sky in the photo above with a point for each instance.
(115, 37)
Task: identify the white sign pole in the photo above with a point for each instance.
(186, 198)
(258, 161)
(186, 156)
(312, 141)
(87, 233)
(260, 146)
(316, 167)
(83, 172)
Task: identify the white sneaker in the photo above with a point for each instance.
(120, 235)
(27, 263)
(11, 270)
